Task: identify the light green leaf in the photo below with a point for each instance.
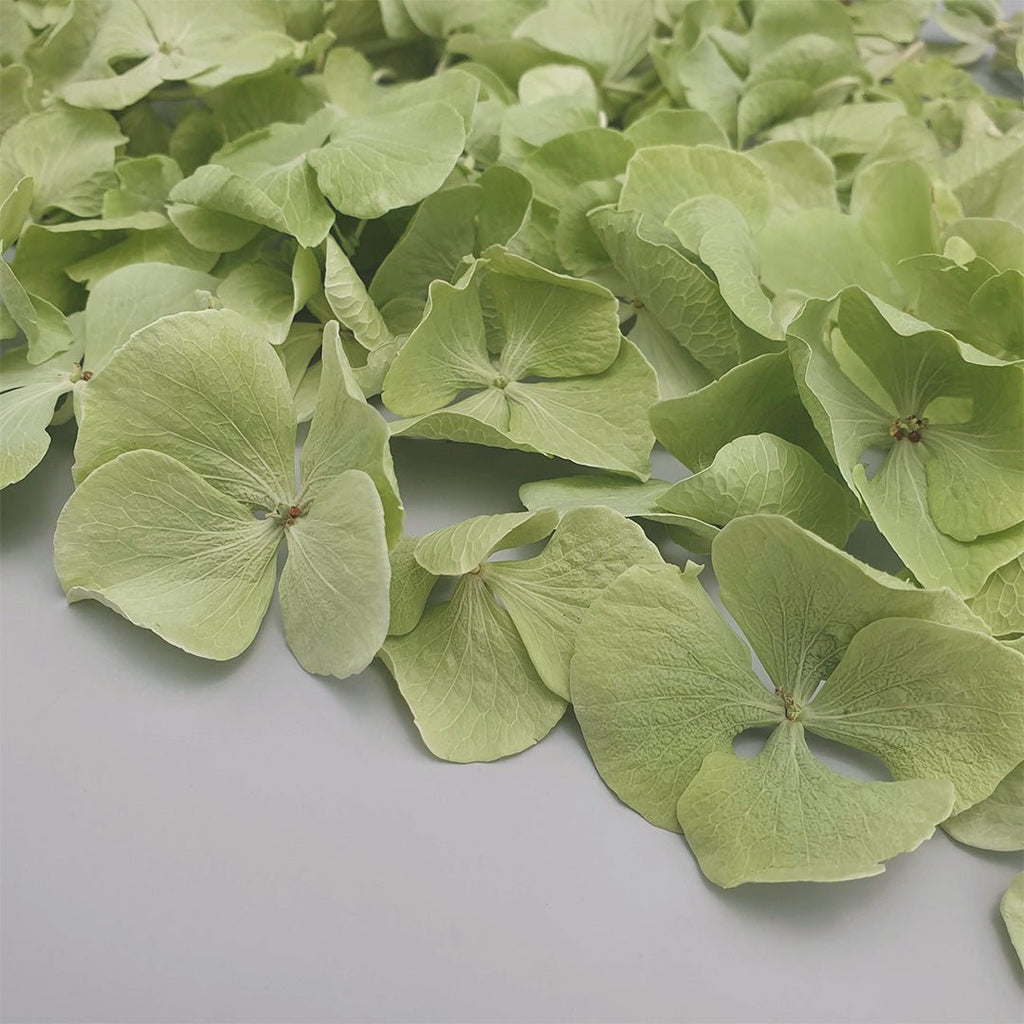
(1011, 906)
(783, 817)
(204, 389)
(997, 822)
(377, 163)
(151, 539)
(653, 708)
(800, 601)
(762, 473)
(547, 595)
(347, 433)
(71, 176)
(462, 547)
(334, 585)
(931, 701)
(469, 681)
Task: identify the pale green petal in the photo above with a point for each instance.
(334, 585)
(660, 178)
(350, 303)
(25, 413)
(609, 38)
(448, 226)
(268, 297)
(149, 538)
(800, 601)
(631, 498)
(800, 175)
(479, 419)
(468, 679)
(677, 293)
(1000, 602)
(264, 177)
(347, 433)
(984, 175)
(71, 175)
(561, 166)
(128, 299)
(411, 585)
(211, 229)
(14, 210)
(931, 701)
(627, 497)
(897, 498)
(677, 371)
(817, 253)
(43, 324)
(783, 817)
(763, 473)
(892, 200)
(375, 164)
(758, 396)
(205, 389)
(715, 230)
(595, 421)
(553, 325)
(669, 127)
(1011, 906)
(462, 547)
(445, 355)
(658, 681)
(548, 594)
(997, 822)
(143, 185)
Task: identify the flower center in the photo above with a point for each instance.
(908, 428)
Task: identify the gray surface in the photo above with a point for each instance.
(184, 841)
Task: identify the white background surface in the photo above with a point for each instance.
(191, 842)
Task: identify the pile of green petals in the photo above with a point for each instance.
(783, 238)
